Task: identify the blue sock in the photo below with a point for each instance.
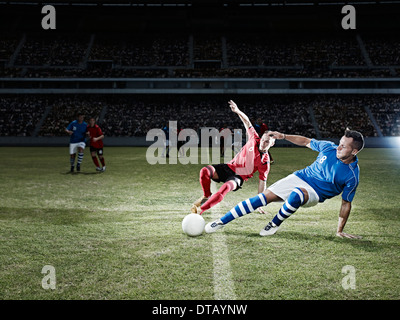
(80, 158)
(293, 202)
(245, 207)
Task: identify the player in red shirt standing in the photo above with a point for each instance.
(251, 158)
(96, 144)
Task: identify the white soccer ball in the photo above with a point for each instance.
(193, 224)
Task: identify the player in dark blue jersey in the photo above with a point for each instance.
(77, 130)
(334, 172)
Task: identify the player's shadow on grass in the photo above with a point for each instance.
(364, 244)
(80, 173)
(51, 216)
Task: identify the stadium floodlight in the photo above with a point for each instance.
(397, 142)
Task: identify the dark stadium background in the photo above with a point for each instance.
(138, 64)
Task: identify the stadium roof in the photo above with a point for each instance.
(198, 2)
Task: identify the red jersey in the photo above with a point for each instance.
(250, 159)
(94, 133)
(263, 128)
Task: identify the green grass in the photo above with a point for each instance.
(117, 235)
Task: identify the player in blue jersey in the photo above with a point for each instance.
(334, 172)
(77, 130)
(166, 142)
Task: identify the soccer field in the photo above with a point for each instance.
(117, 234)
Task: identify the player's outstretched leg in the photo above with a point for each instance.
(206, 173)
(241, 209)
(296, 199)
(219, 195)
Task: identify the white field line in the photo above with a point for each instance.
(224, 288)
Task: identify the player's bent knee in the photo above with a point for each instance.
(207, 171)
(305, 195)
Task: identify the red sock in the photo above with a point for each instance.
(205, 179)
(218, 196)
(102, 162)
(96, 162)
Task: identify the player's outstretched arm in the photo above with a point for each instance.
(262, 185)
(343, 216)
(245, 119)
(298, 140)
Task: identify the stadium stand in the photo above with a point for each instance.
(20, 115)
(117, 56)
(387, 113)
(161, 44)
(135, 116)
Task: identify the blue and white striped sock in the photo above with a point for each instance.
(80, 158)
(292, 203)
(245, 207)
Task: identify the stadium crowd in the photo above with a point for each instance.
(136, 115)
(387, 113)
(19, 115)
(63, 111)
(69, 55)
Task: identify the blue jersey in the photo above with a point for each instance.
(79, 131)
(166, 131)
(328, 175)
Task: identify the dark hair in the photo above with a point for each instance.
(358, 139)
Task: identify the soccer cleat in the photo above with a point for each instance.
(269, 229)
(194, 209)
(213, 226)
(78, 167)
(200, 201)
(103, 169)
(99, 169)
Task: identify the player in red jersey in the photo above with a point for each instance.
(261, 128)
(251, 158)
(96, 144)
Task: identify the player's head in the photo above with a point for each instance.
(80, 116)
(266, 142)
(350, 144)
(92, 121)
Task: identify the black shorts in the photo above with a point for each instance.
(225, 174)
(99, 151)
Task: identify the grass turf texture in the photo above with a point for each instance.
(117, 235)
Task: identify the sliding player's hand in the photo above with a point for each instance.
(261, 210)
